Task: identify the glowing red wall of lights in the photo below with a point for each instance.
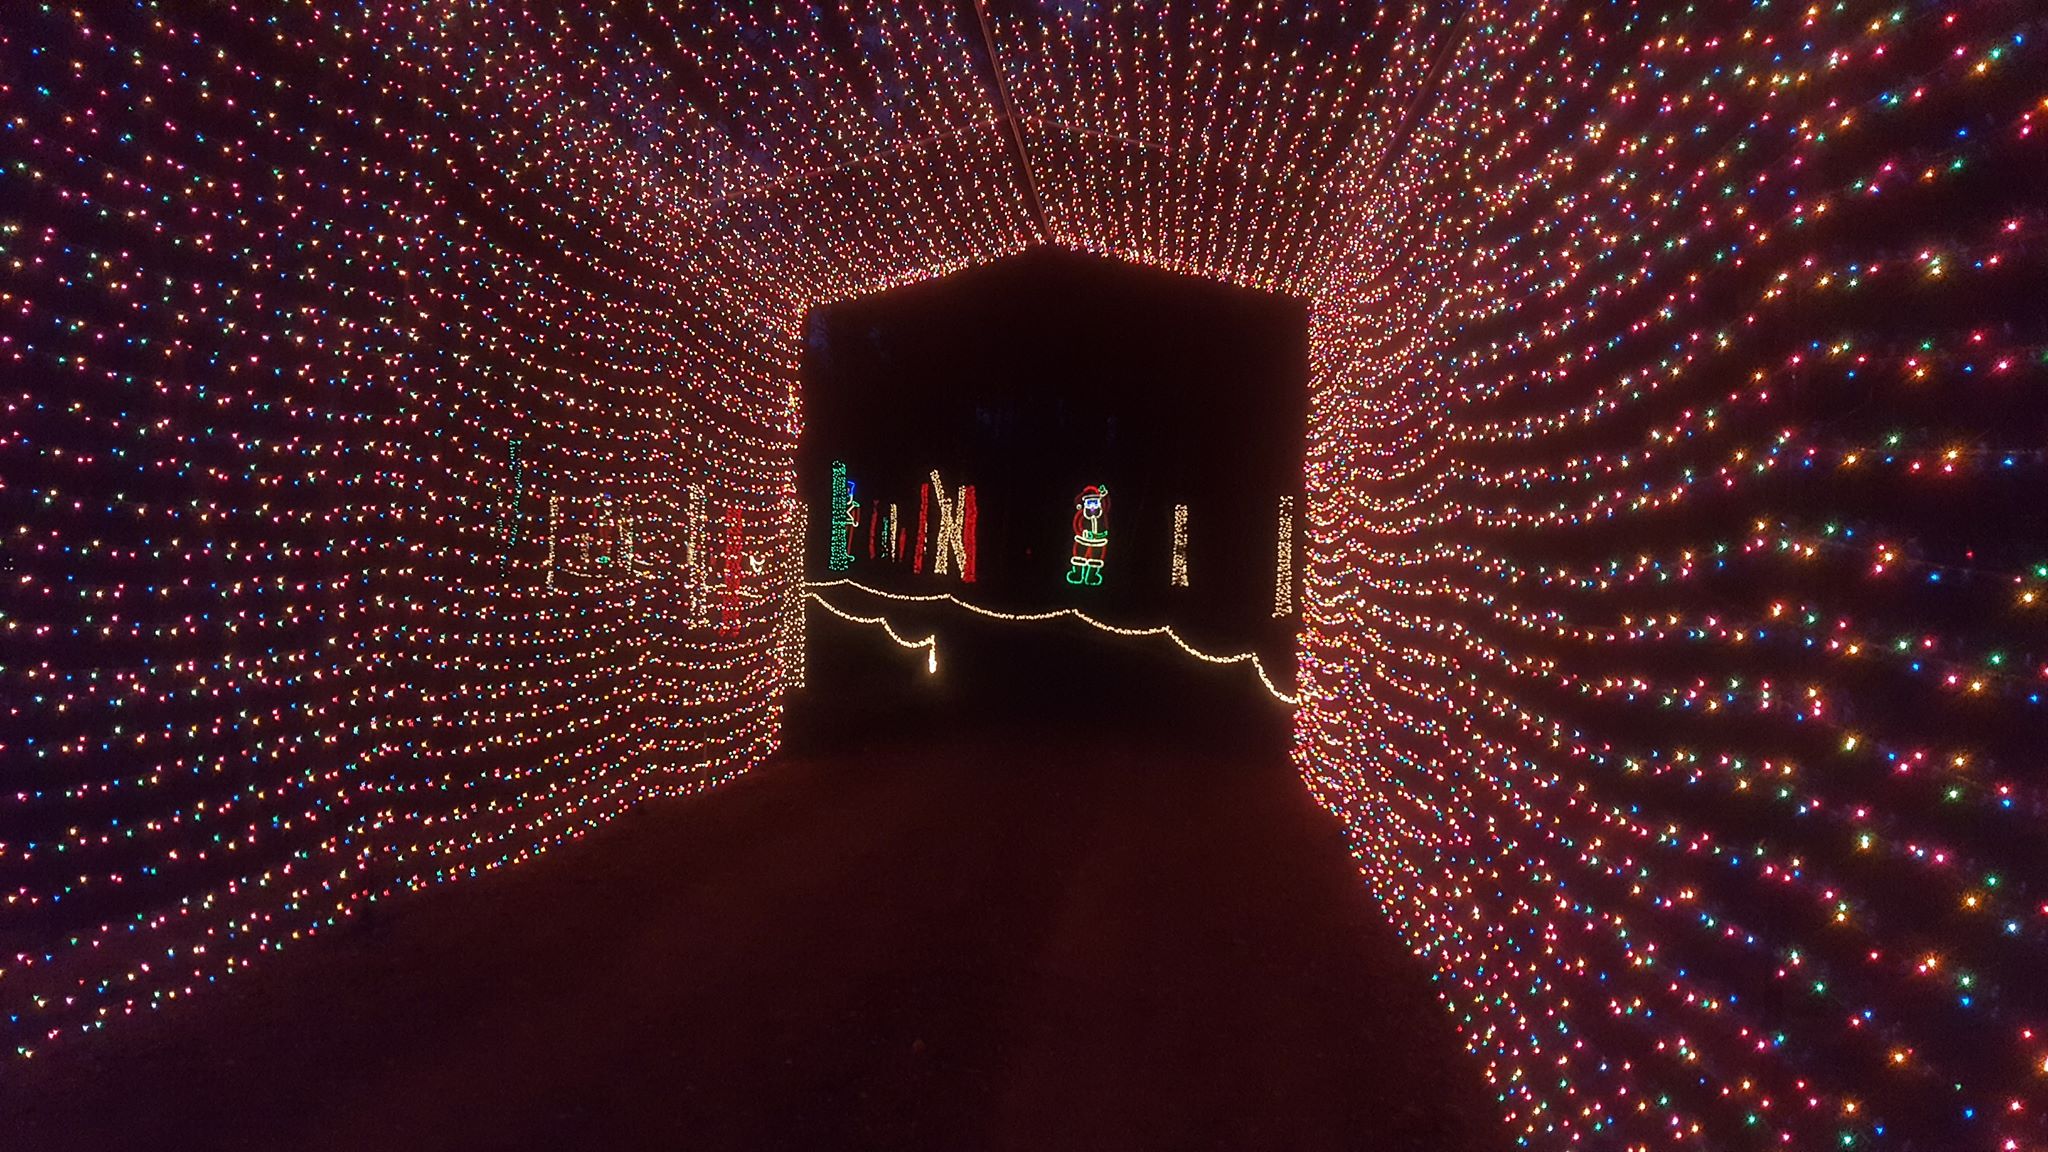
(1673, 573)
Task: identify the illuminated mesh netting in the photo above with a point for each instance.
(399, 404)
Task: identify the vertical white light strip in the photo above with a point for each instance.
(1283, 575)
(792, 638)
(696, 507)
(1180, 546)
(554, 522)
(951, 546)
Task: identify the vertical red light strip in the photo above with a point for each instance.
(967, 518)
(924, 515)
(734, 562)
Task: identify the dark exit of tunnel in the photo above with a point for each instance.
(1033, 380)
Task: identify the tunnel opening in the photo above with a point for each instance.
(1057, 432)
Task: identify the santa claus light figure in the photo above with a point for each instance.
(1091, 535)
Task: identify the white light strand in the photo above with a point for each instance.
(797, 518)
(696, 509)
(554, 523)
(952, 513)
(626, 542)
(930, 643)
(1258, 665)
(1180, 546)
(1283, 575)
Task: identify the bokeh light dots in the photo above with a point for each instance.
(1670, 564)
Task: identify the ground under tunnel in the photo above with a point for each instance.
(1066, 893)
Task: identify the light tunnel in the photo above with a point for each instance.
(1671, 584)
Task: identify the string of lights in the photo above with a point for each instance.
(929, 644)
(1177, 572)
(1258, 665)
